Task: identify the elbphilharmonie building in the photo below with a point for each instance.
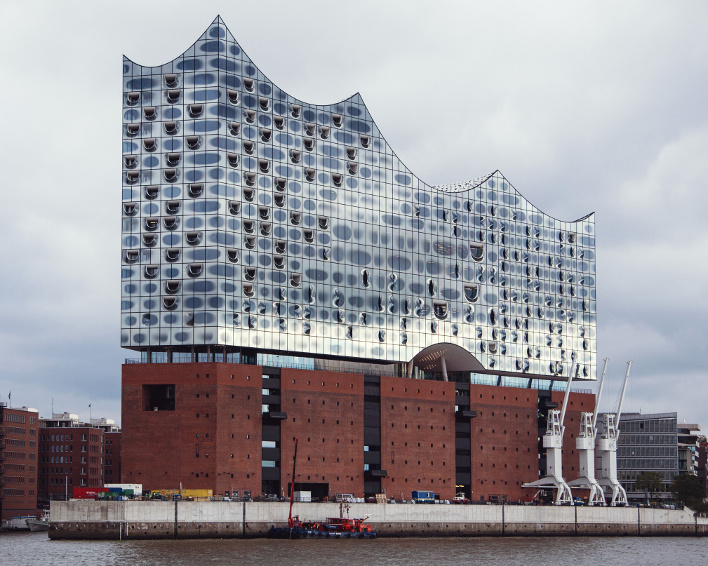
(253, 221)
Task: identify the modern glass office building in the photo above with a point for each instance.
(253, 221)
(647, 443)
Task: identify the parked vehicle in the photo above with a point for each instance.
(460, 498)
(423, 496)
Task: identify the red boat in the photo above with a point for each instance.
(333, 527)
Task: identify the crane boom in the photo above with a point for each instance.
(567, 393)
(599, 395)
(624, 389)
(292, 489)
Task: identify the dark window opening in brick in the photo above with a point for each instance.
(158, 397)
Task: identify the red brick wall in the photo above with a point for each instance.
(417, 436)
(239, 428)
(111, 457)
(325, 412)
(193, 444)
(18, 469)
(503, 440)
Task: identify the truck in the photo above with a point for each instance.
(423, 496)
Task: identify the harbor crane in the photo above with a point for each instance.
(585, 444)
(607, 446)
(553, 443)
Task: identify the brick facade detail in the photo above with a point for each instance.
(211, 439)
(503, 441)
(324, 412)
(212, 435)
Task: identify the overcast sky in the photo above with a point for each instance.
(583, 106)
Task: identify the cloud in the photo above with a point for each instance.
(584, 107)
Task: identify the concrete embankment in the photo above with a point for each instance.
(187, 519)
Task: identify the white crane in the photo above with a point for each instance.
(607, 446)
(553, 443)
(585, 444)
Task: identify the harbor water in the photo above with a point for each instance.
(24, 548)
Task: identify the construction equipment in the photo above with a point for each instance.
(585, 444)
(293, 521)
(607, 445)
(553, 443)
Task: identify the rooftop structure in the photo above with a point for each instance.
(253, 221)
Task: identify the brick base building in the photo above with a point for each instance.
(232, 427)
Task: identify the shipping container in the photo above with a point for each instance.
(88, 492)
(136, 487)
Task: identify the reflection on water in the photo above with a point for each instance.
(36, 548)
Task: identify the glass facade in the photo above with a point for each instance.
(251, 219)
(647, 443)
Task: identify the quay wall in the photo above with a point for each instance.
(220, 519)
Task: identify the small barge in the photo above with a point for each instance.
(333, 527)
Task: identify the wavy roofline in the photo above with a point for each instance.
(474, 183)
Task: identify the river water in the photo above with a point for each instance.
(19, 549)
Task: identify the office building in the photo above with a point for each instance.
(689, 438)
(18, 461)
(71, 455)
(647, 443)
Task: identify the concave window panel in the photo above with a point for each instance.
(472, 293)
(193, 237)
(440, 309)
(172, 287)
(477, 252)
(233, 255)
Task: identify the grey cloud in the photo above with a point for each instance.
(595, 107)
